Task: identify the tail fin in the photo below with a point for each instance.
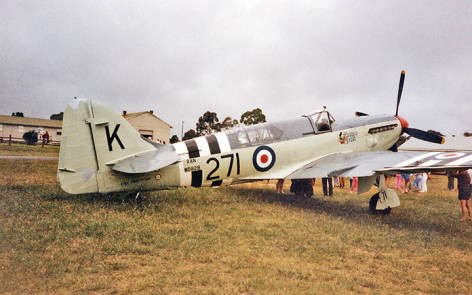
(93, 135)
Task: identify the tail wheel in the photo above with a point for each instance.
(134, 198)
(373, 204)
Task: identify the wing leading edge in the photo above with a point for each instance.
(368, 163)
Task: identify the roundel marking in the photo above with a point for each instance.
(449, 156)
(263, 158)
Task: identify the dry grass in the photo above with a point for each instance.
(238, 240)
(16, 149)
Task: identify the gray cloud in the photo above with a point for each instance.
(184, 58)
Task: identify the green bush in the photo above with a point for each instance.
(31, 137)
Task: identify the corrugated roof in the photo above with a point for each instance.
(134, 115)
(25, 121)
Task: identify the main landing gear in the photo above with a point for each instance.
(302, 188)
(383, 201)
(373, 204)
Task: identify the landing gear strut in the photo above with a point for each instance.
(302, 188)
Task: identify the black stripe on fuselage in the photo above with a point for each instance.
(192, 148)
(197, 178)
(213, 144)
(217, 183)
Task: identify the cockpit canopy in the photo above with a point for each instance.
(321, 121)
(254, 135)
(267, 133)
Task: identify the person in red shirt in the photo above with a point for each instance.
(46, 137)
(464, 187)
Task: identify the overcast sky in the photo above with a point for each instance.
(182, 58)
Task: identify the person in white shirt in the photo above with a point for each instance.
(424, 180)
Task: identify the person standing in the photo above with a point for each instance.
(398, 181)
(463, 185)
(355, 184)
(406, 177)
(417, 182)
(336, 182)
(450, 181)
(327, 186)
(46, 137)
(279, 186)
(424, 180)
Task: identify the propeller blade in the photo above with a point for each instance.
(400, 89)
(423, 135)
(360, 114)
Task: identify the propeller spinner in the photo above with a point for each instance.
(413, 132)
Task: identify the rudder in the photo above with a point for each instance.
(94, 137)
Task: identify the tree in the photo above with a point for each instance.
(57, 116)
(174, 139)
(228, 123)
(253, 117)
(190, 134)
(31, 137)
(208, 123)
(17, 114)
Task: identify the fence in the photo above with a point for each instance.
(19, 140)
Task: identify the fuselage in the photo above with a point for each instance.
(265, 151)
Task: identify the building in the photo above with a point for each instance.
(146, 123)
(149, 126)
(17, 126)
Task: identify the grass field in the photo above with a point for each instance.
(237, 240)
(24, 150)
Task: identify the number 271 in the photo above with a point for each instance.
(231, 158)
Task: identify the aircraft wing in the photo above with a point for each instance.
(368, 163)
(147, 161)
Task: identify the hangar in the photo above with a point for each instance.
(149, 125)
(146, 123)
(17, 126)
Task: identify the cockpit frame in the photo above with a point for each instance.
(320, 121)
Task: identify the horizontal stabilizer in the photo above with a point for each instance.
(147, 161)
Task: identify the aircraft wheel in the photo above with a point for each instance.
(373, 204)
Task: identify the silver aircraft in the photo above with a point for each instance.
(101, 153)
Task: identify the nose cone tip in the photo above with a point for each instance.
(403, 122)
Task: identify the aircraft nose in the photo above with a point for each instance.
(403, 123)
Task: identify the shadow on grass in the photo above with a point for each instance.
(133, 200)
(410, 219)
(400, 219)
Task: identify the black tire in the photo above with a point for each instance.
(386, 211)
(373, 204)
